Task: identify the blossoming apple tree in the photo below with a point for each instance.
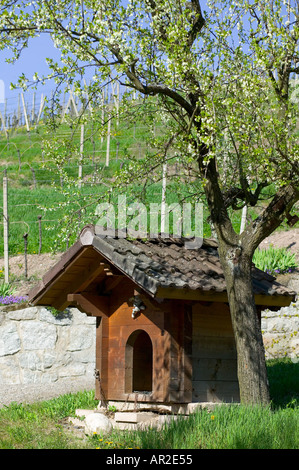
(222, 75)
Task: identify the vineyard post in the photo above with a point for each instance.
(33, 109)
(42, 102)
(4, 126)
(103, 111)
(163, 202)
(81, 156)
(117, 101)
(19, 158)
(117, 150)
(25, 113)
(40, 233)
(108, 140)
(5, 228)
(33, 177)
(25, 236)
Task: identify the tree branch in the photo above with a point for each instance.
(271, 217)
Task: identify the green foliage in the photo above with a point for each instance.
(228, 427)
(275, 260)
(6, 289)
(39, 425)
(283, 377)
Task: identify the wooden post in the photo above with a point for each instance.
(73, 102)
(108, 140)
(81, 156)
(4, 126)
(19, 157)
(42, 102)
(117, 101)
(103, 112)
(25, 236)
(117, 150)
(33, 108)
(5, 228)
(33, 176)
(25, 113)
(40, 233)
(115, 93)
(163, 204)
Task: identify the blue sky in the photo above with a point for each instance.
(33, 59)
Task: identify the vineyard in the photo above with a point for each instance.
(36, 197)
(37, 193)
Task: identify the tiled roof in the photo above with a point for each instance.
(165, 262)
(152, 264)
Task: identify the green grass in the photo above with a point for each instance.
(40, 425)
(25, 204)
(228, 427)
(275, 260)
(30, 193)
(283, 377)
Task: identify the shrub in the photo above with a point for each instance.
(6, 289)
(275, 260)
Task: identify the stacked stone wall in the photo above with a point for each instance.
(38, 347)
(281, 332)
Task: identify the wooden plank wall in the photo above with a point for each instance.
(194, 356)
(214, 358)
(178, 324)
(102, 344)
(121, 326)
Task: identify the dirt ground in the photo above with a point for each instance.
(288, 239)
(38, 265)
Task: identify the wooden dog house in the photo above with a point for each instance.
(164, 331)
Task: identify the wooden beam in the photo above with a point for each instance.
(111, 282)
(80, 282)
(94, 305)
(274, 300)
(188, 294)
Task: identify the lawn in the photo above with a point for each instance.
(36, 188)
(40, 425)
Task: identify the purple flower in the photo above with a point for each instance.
(12, 299)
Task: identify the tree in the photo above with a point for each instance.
(222, 78)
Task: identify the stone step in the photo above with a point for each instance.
(133, 417)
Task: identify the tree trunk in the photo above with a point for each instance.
(252, 372)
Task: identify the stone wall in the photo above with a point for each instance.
(281, 332)
(38, 347)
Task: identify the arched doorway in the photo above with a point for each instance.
(139, 363)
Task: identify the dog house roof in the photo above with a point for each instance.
(157, 265)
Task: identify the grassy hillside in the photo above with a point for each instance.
(35, 187)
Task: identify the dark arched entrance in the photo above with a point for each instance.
(139, 363)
